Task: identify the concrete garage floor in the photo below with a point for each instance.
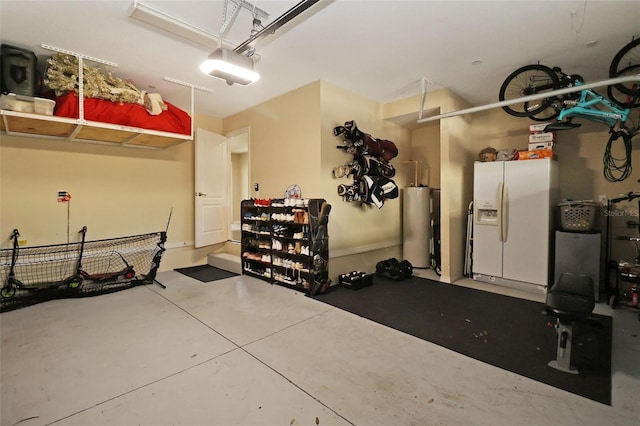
(242, 352)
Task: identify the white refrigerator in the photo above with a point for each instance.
(514, 202)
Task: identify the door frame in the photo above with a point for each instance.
(229, 135)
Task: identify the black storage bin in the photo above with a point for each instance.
(17, 70)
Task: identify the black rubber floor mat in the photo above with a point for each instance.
(507, 332)
(206, 273)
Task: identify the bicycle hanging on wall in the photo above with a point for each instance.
(615, 111)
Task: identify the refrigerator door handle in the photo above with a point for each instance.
(499, 218)
(504, 208)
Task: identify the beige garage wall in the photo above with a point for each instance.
(121, 191)
(115, 191)
(285, 142)
(355, 225)
(292, 142)
(425, 148)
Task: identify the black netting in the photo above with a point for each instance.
(77, 269)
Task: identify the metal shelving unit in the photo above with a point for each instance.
(16, 123)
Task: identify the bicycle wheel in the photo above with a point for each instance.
(626, 100)
(626, 62)
(525, 81)
(549, 113)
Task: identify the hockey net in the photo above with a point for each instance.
(77, 269)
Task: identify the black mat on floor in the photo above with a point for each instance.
(206, 273)
(504, 331)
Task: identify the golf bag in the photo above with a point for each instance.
(370, 190)
(365, 165)
(359, 143)
(394, 269)
(370, 168)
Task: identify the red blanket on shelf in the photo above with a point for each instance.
(173, 120)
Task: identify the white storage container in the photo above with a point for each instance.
(21, 103)
(43, 106)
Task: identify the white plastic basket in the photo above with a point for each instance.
(578, 216)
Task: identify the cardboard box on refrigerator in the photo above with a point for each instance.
(542, 137)
(536, 154)
(538, 128)
(541, 145)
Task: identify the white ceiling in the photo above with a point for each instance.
(377, 49)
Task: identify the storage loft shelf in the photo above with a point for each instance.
(45, 126)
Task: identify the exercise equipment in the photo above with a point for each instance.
(394, 269)
(570, 299)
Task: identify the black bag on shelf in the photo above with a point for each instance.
(17, 70)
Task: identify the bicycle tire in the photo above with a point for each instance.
(626, 100)
(549, 113)
(526, 81)
(625, 63)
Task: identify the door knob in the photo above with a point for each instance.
(200, 194)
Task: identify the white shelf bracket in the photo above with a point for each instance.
(424, 85)
(79, 55)
(81, 59)
(193, 87)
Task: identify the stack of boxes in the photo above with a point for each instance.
(541, 143)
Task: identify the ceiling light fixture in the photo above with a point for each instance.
(230, 66)
(236, 68)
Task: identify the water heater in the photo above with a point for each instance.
(416, 226)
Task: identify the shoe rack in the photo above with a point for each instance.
(277, 242)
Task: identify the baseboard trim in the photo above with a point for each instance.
(179, 244)
(333, 253)
(363, 249)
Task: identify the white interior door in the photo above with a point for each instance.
(212, 195)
